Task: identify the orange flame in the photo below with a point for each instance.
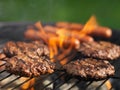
(28, 84)
(108, 85)
(62, 40)
(90, 25)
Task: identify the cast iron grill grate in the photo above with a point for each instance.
(56, 81)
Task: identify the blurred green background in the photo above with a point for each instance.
(106, 11)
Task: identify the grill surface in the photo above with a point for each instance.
(56, 81)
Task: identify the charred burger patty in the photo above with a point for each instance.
(99, 50)
(90, 69)
(27, 59)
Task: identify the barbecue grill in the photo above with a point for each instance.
(58, 80)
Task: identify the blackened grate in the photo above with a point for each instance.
(56, 81)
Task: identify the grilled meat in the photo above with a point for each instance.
(27, 59)
(99, 50)
(90, 69)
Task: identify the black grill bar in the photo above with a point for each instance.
(81, 84)
(61, 83)
(6, 77)
(101, 84)
(54, 81)
(44, 78)
(38, 82)
(2, 71)
(88, 84)
(76, 83)
(8, 83)
(17, 86)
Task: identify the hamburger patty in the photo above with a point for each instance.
(90, 69)
(99, 50)
(27, 59)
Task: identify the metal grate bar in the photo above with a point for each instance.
(76, 83)
(48, 83)
(89, 84)
(101, 84)
(62, 83)
(6, 77)
(54, 80)
(85, 85)
(2, 71)
(36, 83)
(8, 83)
(21, 84)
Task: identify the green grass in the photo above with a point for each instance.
(106, 11)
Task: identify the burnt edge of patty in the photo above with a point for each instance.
(27, 59)
(99, 50)
(90, 69)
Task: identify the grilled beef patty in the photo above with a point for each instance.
(99, 50)
(90, 69)
(27, 59)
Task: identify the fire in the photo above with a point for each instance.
(108, 85)
(62, 38)
(65, 37)
(28, 84)
(90, 25)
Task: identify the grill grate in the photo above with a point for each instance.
(56, 81)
